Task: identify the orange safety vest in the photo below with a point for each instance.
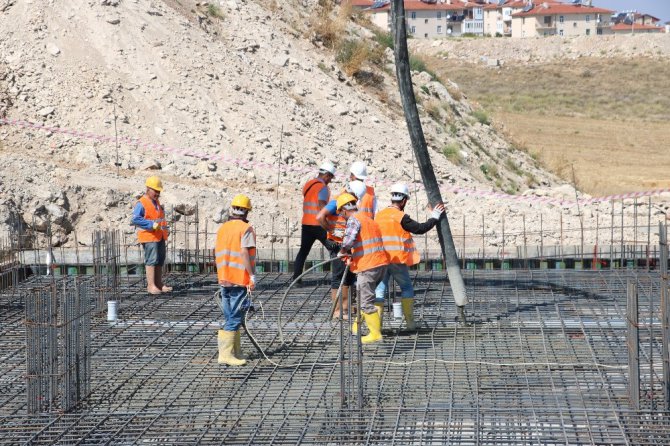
(155, 215)
(310, 204)
(228, 253)
(397, 242)
(367, 204)
(336, 226)
(368, 250)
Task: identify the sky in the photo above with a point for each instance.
(657, 8)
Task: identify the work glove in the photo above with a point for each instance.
(156, 226)
(252, 283)
(437, 211)
(345, 257)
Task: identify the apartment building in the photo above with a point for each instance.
(549, 19)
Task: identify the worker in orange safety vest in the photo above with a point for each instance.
(316, 195)
(364, 249)
(368, 205)
(397, 229)
(235, 254)
(152, 233)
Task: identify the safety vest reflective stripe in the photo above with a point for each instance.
(368, 250)
(310, 204)
(229, 253)
(398, 242)
(155, 213)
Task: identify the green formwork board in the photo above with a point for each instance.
(260, 268)
(72, 271)
(471, 266)
(488, 265)
(544, 264)
(579, 264)
(436, 265)
(559, 265)
(506, 265)
(630, 264)
(192, 268)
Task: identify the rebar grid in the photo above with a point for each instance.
(544, 363)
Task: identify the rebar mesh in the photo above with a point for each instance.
(545, 363)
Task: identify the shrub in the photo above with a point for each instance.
(383, 38)
(482, 117)
(433, 110)
(214, 11)
(351, 54)
(327, 29)
(453, 153)
(512, 166)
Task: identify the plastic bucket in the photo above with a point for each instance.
(397, 310)
(112, 307)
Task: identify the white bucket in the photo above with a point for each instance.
(112, 307)
(397, 310)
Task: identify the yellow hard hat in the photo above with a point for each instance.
(345, 199)
(154, 183)
(241, 201)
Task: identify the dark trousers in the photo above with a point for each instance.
(309, 235)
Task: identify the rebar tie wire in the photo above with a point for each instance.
(284, 345)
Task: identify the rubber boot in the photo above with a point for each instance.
(226, 345)
(408, 312)
(374, 323)
(151, 280)
(237, 346)
(380, 310)
(354, 326)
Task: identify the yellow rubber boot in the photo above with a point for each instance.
(226, 345)
(380, 310)
(408, 312)
(374, 324)
(354, 326)
(237, 346)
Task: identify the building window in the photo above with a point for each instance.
(439, 15)
(599, 31)
(523, 20)
(574, 24)
(588, 32)
(439, 29)
(425, 35)
(413, 15)
(412, 29)
(561, 19)
(560, 32)
(588, 17)
(425, 21)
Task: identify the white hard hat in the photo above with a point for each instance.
(399, 191)
(357, 188)
(359, 170)
(327, 167)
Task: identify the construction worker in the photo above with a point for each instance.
(363, 247)
(368, 206)
(397, 229)
(316, 195)
(152, 233)
(334, 224)
(235, 253)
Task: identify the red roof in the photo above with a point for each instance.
(636, 27)
(421, 6)
(561, 8)
(516, 4)
(362, 3)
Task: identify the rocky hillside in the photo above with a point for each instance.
(244, 90)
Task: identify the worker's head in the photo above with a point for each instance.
(154, 186)
(399, 195)
(241, 205)
(327, 171)
(358, 171)
(356, 188)
(346, 205)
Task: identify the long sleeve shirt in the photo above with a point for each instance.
(138, 217)
(414, 227)
(350, 233)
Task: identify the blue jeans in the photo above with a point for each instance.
(235, 306)
(400, 273)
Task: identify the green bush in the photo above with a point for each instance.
(453, 153)
(351, 54)
(214, 11)
(482, 117)
(383, 38)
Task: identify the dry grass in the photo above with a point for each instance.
(326, 26)
(606, 117)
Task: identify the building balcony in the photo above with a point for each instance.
(545, 26)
